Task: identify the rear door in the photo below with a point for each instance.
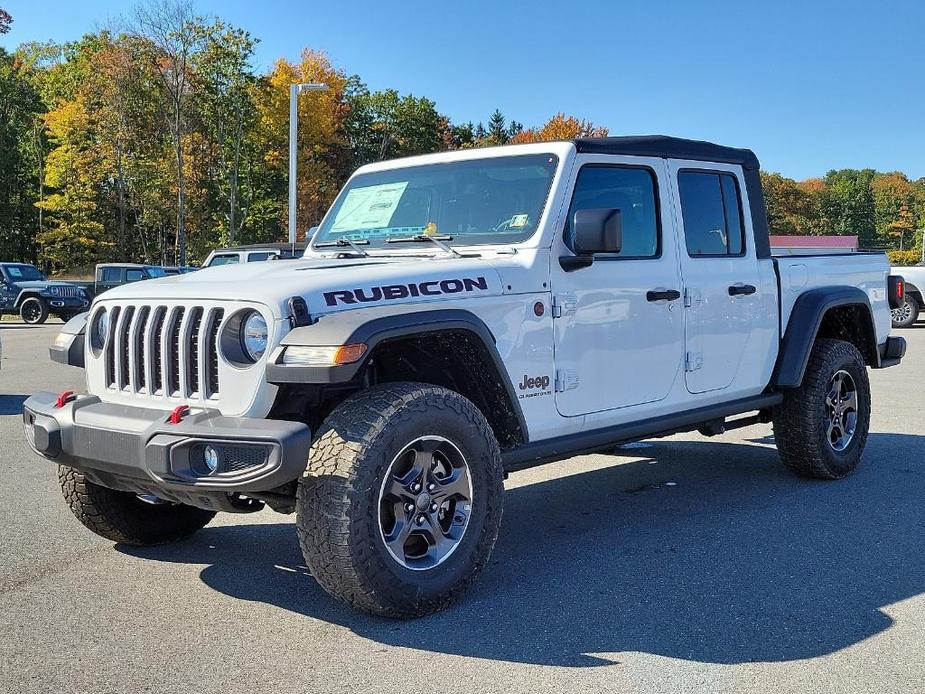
(722, 287)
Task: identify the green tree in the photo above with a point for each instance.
(384, 125)
(847, 205)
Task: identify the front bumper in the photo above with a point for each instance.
(67, 304)
(137, 449)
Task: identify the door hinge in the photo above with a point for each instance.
(566, 379)
(691, 297)
(563, 305)
(693, 361)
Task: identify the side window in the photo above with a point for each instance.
(226, 259)
(629, 189)
(712, 210)
(134, 275)
(259, 257)
(110, 274)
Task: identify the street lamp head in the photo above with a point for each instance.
(312, 87)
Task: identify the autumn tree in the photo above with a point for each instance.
(5, 21)
(173, 34)
(226, 90)
(324, 158)
(560, 127)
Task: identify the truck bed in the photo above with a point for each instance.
(867, 271)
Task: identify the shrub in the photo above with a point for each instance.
(904, 258)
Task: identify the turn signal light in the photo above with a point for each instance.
(347, 354)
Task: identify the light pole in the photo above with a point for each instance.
(294, 91)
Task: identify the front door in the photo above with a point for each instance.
(619, 324)
(720, 271)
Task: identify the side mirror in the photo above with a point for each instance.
(597, 230)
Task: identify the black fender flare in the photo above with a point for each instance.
(26, 294)
(381, 329)
(803, 327)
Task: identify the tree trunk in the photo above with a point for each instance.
(180, 252)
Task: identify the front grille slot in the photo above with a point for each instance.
(156, 330)
(192, 360)
(211, 373)
(109, 358)
(173, 349)
(138, 352)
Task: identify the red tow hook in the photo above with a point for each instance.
(179, 412)
(64, 398)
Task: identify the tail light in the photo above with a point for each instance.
(896, 288)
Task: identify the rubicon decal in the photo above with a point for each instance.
(389, 292)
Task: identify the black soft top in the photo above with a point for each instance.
(667, 148)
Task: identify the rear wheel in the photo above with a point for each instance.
(126, 517)
(33, 311)
(401, 503)
(907, 313)
(821, 427)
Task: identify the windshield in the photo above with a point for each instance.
(24, 273)
(479, 201)
(156, 271)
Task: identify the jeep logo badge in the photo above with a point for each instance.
(529, 383)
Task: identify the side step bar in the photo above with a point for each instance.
(562, 447)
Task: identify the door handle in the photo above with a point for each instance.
(742, 289)
(662, 294)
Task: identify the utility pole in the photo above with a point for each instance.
(294, 91)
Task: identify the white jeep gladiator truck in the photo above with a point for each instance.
(459, 316)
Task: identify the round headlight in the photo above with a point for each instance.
(101, 328)
(254, 335)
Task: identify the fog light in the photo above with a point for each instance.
(210, 457)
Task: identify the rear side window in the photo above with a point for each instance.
(134, 275)
(629, 189)
(712, 210)
(109, 274)
(227, 259)
(259, 257)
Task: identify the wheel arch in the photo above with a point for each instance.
(452, 348)
(27, 294)
(842, 313)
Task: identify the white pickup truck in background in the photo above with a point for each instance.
(458, 316)
(905, 315)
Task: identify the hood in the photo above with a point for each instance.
(326, 284)
(40, 284)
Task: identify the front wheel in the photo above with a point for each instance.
(401, 503)
(33, 311)
(907, 313)
(821, 427)
(125, 517)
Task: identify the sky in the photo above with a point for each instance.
(809, 86)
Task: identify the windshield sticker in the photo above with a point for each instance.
(14, 271)
(519, 220)
(370, 207)
(404, 291)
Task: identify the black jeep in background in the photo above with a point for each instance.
(26, 291)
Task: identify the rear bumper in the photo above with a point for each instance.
(892, 351)
(137, 449)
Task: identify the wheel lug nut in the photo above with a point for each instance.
(409, 507)
(415, 487)
(433, 506)
(431, 487)
(420, 520)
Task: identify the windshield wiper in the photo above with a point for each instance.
(344, 241)
(418, 238)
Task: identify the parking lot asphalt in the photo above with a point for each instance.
(679, 565)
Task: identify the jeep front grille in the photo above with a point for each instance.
(163, 351)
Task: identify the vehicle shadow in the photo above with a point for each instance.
(11, 404)
(737, 561)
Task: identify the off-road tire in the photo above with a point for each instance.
(911, 316)
(33, 311)
(337, 503)
(123, 517)
(800, 422)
